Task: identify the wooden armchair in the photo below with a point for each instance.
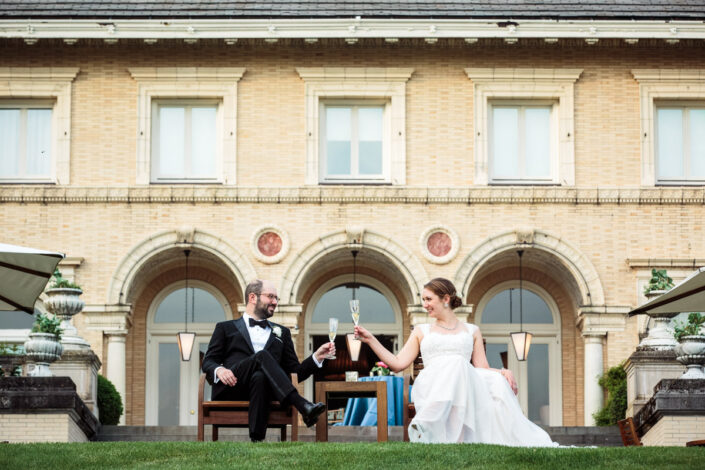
(628, 432)
(233, 414)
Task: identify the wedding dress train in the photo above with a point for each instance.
(456, 402)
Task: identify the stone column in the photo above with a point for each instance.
(115, 368)
(594, 323)
(594, 396)
(114, 321)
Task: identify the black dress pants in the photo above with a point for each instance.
(260, 379)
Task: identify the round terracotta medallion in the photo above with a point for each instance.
(439, 244)
(269, 243)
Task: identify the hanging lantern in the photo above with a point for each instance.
(521, 340)
(184, 339)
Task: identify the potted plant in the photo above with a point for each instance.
(11, 359)
(44, 344)
(690, 350)
(63, 300)
(660, 335)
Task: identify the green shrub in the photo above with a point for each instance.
(615, 382)
(109, 402)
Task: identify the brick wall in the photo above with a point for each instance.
(44, 427)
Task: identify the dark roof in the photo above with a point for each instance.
(281, 9)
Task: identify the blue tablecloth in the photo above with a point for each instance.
(363, 411)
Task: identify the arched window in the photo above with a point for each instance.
(171, 383)
(335, 303)
(380, 313)
(539, 377)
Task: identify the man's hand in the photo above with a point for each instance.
(324, 351)
(507, 374)
(226, 376)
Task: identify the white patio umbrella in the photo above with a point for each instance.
(687, 296)
(24, 272)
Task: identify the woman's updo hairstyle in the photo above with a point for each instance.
(442, 287)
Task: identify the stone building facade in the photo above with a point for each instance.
(591, 226)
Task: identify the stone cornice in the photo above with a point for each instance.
(349, 28)
(355, 73)
(684, 263)
(523, 74)
(160, 194)
(210, 74)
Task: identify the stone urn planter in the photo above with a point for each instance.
(690, 352)
(42, 349)
(660, 335)
(65, 302)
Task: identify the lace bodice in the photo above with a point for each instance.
(443, 346)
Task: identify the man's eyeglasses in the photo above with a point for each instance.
(270, 296)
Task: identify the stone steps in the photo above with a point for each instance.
(607, 436)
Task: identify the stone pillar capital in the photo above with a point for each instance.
(110, 319)
(599, 320)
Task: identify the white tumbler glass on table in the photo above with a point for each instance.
(332, 331)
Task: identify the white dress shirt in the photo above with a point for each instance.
(259, 337)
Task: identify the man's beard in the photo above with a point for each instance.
(262, 310)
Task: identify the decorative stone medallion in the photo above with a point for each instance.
(270, 244)
(439, 244)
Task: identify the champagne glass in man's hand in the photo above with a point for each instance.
(332, 331)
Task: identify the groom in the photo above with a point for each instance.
(250, 359)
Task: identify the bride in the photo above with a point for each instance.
(458, 398)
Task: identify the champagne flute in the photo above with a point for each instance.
(355, 311)
(332, 331)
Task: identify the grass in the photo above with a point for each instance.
(289, 456)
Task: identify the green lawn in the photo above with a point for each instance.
(193, 455)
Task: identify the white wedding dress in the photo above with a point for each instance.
(456, 402)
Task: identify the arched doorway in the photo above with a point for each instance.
(171, 383)
(539, 377)
(380, 313)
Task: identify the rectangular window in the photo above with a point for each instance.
(353, 144)
(26, 141)
(522, 144)
(185, 141)
(680, 143)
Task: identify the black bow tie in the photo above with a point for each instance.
(261, 323)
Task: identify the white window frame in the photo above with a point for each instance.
(662, 85)
(354, 153)
(523, 84)
(51, 84)
(684, 106)
(215, 83)
(185, 103)
(23, 106)
(356, 84)
(553, 123)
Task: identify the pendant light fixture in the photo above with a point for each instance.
(521, 340)
(185, 339)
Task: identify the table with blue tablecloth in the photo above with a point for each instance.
(363, 411)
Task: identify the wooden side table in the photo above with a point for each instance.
(325, 390)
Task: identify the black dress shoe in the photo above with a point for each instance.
(311, 412)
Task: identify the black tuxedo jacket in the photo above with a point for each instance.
(231, 344)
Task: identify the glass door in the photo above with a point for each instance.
(171, 395)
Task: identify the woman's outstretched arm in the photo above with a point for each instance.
(396, 363)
